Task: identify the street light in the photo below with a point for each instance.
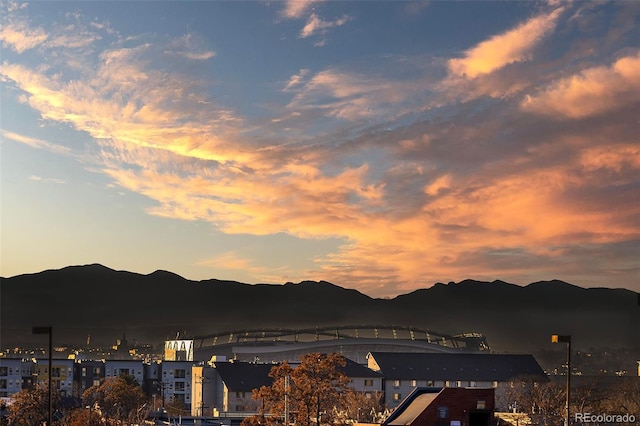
(556, 338)
(48, 330)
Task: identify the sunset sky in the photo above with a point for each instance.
(382, 146)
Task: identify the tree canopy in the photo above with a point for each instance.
(311, 392)
(118, 398)
(31, 406)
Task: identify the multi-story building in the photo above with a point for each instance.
(11, 376)
(133, 368)
(61, 374)
(225, 388)
(87, 373)
(403, 372)
(363, 379)
(152, 385)
(238, 380)
(178, 350)
(176, 382)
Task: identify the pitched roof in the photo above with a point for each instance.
(244, 376)
(412, 406)
(452, 366)
(420, 399)
(353, 369)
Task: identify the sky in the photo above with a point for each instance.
(382, 146)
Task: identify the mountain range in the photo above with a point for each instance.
(78, 301)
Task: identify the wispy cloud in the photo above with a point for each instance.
(191, 47)
(296, 79)
(315, 25)
(452, 190)
(19, 37)
(351, 96)
(294, 9)
(47, 180)
(512, 46)
(35, 142)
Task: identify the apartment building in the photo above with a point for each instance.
(403, 372)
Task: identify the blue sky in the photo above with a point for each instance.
(382, 146)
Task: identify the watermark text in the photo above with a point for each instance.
(604, 418)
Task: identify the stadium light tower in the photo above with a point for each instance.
(557, 338)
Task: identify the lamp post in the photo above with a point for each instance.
(556, 338)
(48, 330)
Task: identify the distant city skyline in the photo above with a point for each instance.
(381, 146)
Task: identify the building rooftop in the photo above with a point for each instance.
(454, 366)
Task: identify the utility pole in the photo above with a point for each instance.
(555, 338)
(202, 380)
(48, 330)
(286, 400)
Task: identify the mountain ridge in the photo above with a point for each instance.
(97, 300)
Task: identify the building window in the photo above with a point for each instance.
(179, 386)
(414, 383)
(180, 374)
(443, 412)
(4, 371)
(368, 382)
(240, 394)
(473, 384)
(368, 395)
(3, 383)
(396, 383)
(429, 383)
(397, 397)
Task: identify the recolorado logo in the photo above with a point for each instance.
(604, 418)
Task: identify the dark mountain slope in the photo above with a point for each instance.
(96, 300)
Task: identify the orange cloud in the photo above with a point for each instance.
(515, 45)
(297, 8)
(590, 92)
(154, 137)
(20, 38)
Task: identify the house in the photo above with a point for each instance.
(405, 371)
(444, 407)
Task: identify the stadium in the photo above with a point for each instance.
(353, 342)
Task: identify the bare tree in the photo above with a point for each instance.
(31, 406)
(309, 392)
